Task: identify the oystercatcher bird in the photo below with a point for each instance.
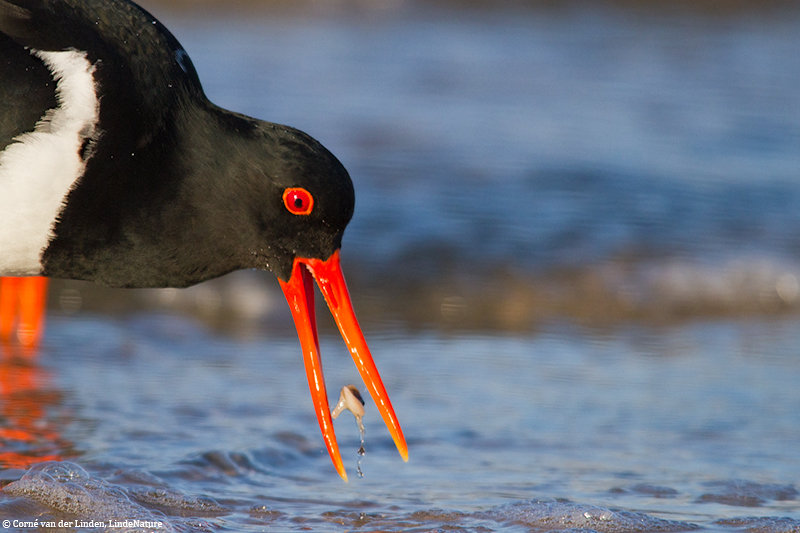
(116, 168)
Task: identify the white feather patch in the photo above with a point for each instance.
(39, 168)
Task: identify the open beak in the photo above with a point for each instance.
(299, 291)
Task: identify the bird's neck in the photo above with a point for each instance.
(152, 224)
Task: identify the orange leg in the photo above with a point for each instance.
(9, 292)
(22, 306)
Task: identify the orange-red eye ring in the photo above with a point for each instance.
(298, 201)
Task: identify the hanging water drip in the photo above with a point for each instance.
(350, 399)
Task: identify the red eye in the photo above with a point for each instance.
(298, 201)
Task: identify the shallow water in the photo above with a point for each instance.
(696, 424)
(575, 257)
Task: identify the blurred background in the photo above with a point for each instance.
(517, 162)
(575, 255)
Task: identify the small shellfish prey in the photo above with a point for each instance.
(351, 400)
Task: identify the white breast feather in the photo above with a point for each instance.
(39, 168)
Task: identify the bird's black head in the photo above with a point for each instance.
(309, 200)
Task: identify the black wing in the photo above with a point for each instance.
(141, 70)
(149, 96)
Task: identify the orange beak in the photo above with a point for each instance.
(299, 291)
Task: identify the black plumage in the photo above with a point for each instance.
(176, 190)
